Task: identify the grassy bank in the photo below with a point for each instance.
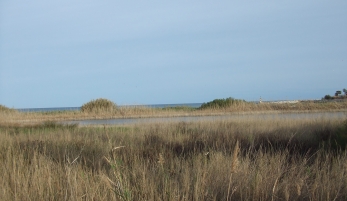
(143, 112)
(249, 159)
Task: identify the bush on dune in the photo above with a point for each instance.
(221, 103)
(99, 105)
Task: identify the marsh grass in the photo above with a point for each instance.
(251, 159)
(145, 112)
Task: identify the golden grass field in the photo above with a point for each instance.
(248, 159)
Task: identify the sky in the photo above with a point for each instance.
(66, 53)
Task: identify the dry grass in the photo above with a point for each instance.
(145, 112)
(250, 159)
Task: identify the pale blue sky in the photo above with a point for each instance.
(66, 53)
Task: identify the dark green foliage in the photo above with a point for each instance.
(99, 105)
(221, 103)
(328, 97)
(337, 93)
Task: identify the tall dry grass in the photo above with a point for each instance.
(145, 112)
(251, 159)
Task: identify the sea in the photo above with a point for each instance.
(52, 109)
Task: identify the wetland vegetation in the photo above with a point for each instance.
(106, 109)
(224, 159)
(251, 159)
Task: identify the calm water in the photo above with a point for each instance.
(319, 115)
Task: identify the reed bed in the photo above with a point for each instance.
(252, 159)
(13, 116)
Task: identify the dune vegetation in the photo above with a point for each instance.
(6, 110)
(106, 109)
(252, 159)
(100, 105)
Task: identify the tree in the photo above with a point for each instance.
(327, 97)
(337, 93)
(345, 91)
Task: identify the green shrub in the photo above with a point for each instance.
(221, 103)
(328, 97)
(99, 105)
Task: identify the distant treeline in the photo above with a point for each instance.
(338, 95)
